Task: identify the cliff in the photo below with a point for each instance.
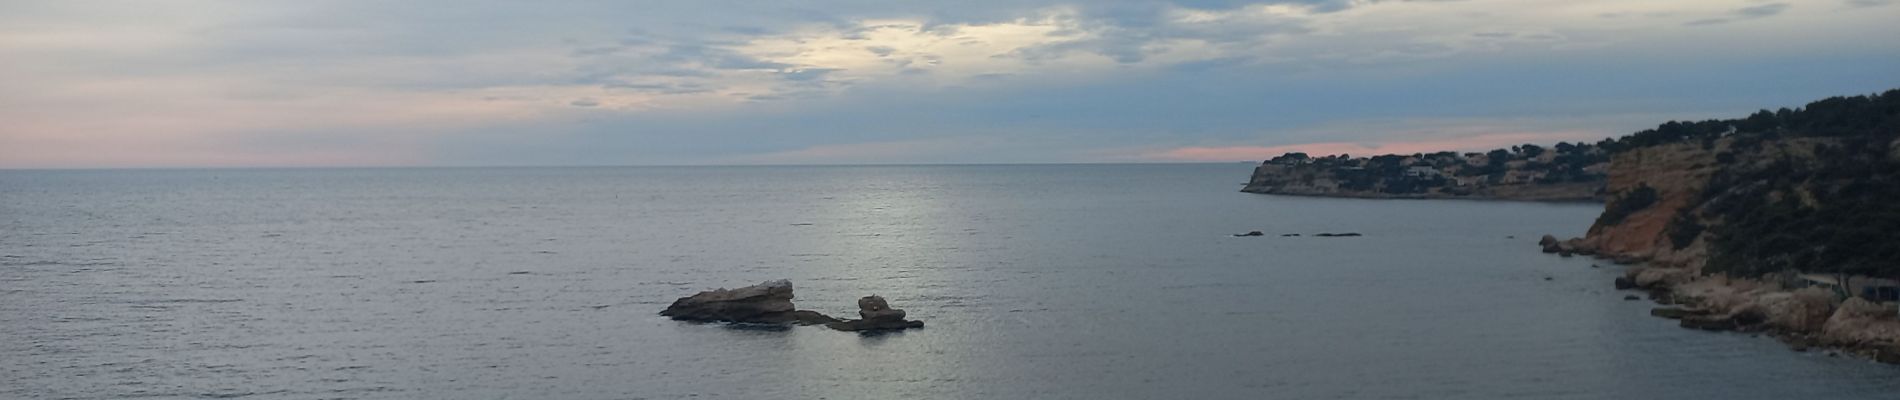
(1568, 172)
(1794, 191)
(1781, 222)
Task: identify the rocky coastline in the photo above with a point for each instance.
(1565, 173)
(1779, 223)
(1806, 318)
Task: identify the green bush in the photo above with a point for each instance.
(1628, 203)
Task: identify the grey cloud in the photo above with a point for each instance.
(662, 88)
(715, 57)
(808, 74)
(1761, 11)
(1868, 3)
(638, 86)
(1125, 33)
(584, 102)
(1744, 13)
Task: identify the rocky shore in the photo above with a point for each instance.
(1781, 305)
(1779, 224)
(1809, 318)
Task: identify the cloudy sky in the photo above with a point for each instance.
(467, 82)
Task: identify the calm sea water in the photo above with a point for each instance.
(1048, 282)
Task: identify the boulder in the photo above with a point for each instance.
(1805, 310)
(876, 315)
(873, 303)
(1566, 248)
(764, 303)
(1861, 322)
(1623, 283)
(1652, 278)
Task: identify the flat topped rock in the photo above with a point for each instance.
(765, 303)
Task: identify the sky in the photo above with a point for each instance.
(113, 84)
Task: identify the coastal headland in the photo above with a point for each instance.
(1778, 223)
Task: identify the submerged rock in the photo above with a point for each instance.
(1251, 233)
(1708, 323)
(764, 303)
(1347, 234)
(877, 315)
(1675, 313)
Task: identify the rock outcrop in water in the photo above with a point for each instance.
(765, 303)
(771, 303)
(877, 315)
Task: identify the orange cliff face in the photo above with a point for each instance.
(1677, 173)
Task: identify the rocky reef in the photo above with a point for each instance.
(771, 303)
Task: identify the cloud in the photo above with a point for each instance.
(1744, 13)
(435, 82)
(930, 150)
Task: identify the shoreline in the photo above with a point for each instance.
(1806, 319)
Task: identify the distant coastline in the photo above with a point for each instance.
(1566, 172)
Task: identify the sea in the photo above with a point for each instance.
(1035, 282)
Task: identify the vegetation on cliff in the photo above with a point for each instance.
(1812, 189)
(1780, 223)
